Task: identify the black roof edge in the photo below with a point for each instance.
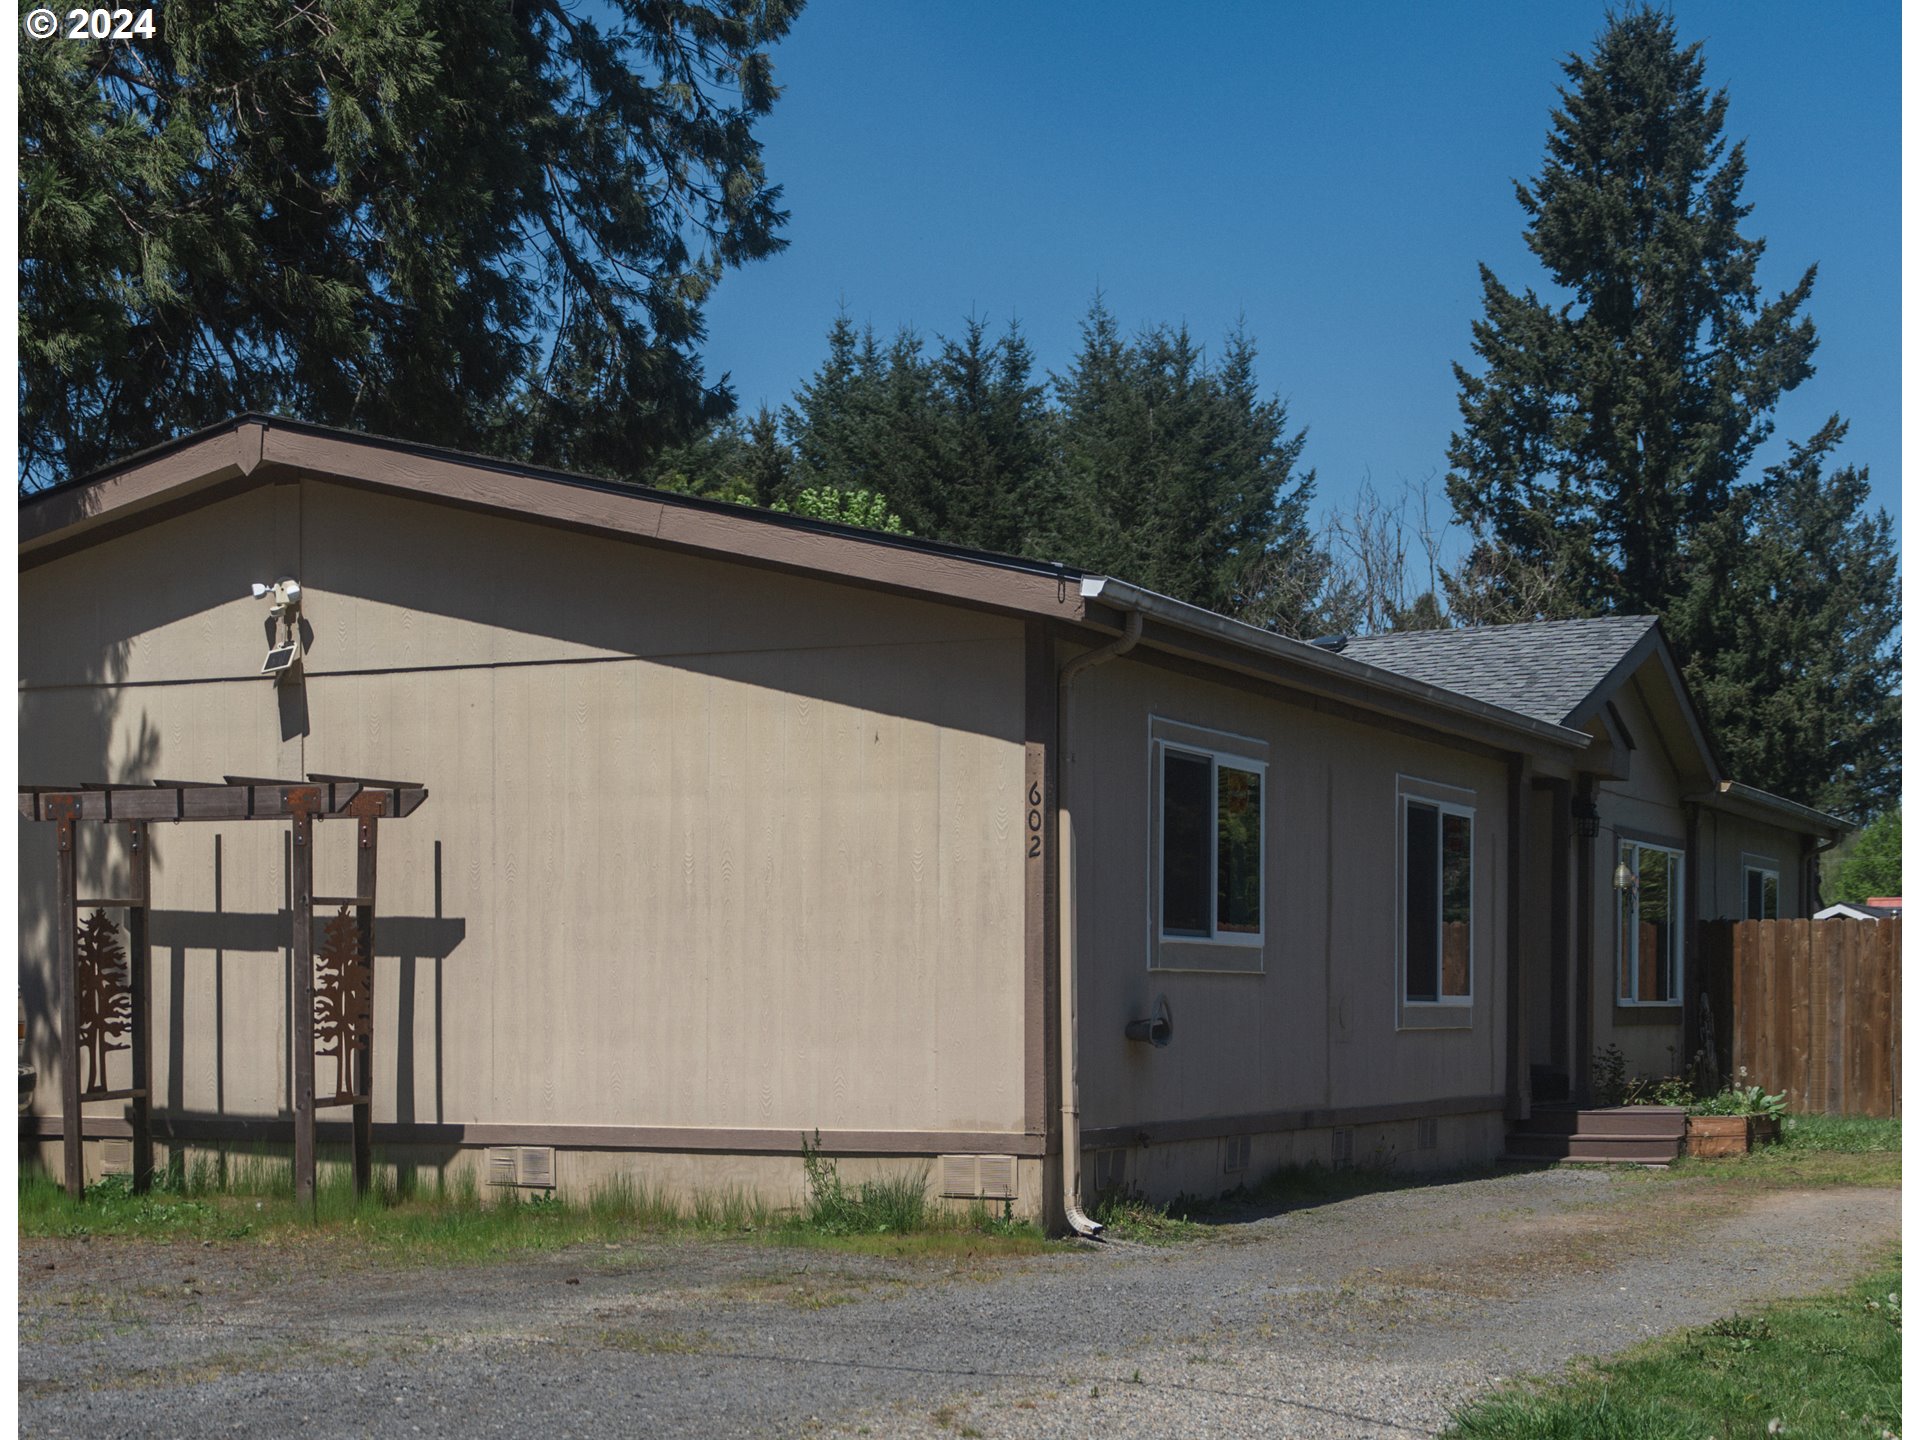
(1052, 568)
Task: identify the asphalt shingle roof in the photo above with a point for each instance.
(1545, 669)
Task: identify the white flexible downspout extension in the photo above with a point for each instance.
(1069, 945)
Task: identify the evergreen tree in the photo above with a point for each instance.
(1792, 612)
(483, 225)
(1605, 441)
(1179, 476)
(959, 443)
(1603, 432)
(745, 462)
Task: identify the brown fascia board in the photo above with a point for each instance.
(253, 450)
(196, 471)
(1178, 628)
(1733, 798)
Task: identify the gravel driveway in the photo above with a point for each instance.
(1371, 1316)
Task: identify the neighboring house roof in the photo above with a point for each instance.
(1844, 911)
(1547, 669)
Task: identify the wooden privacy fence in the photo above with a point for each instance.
(1811, 1007)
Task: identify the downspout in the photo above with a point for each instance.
(1078, 1219)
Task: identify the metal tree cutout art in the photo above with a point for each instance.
(103, 992)
(343, 1003)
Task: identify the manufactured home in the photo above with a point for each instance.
(731, 826)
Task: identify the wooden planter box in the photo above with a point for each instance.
(1710, 1135)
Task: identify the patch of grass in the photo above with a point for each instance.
(1848, 1134)
(894, 1204)
(655, 1342)
(1129, 1218)
(1825, 1366)
(242, 1196)
(1814, 1150)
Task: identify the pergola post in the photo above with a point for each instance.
(66, 927)
(303, 1159)
(140, 977)
(366, 871)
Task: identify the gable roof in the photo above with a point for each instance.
(252, 450)
(1547, 669)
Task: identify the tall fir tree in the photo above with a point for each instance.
(1606, 439)
(1792, 613)
(489, 226)
(958, 443)
(1179, 476)
(1606, 427)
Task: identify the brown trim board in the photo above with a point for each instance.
(672, 1138)
(1040, 811)
(1164, 1132)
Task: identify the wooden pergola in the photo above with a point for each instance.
(106, 993)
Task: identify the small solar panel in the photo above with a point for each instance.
(280, 659)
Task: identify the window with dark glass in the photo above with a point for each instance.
(1763, 893)
(1649, 882)
(1211, 846)
(1437, 904)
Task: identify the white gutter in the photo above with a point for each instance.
(1082, 1223)
(1198, 621)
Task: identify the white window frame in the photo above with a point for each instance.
(1765, 866)
(1215, 759)
(1231, 952)
(1425, 798)
(1677, 930)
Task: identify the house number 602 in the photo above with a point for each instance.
(1033, 821)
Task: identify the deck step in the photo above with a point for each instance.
(1599, 1135)
(1654, 1121)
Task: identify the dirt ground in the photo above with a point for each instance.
(1371, 1316)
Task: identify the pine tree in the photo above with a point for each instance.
(1605, 429)
(482, 225)
(1178, 476)
(1792, 612)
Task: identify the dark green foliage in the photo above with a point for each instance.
(958, 444)
(747, 463)
(1152, 465)
(1604, 431)
(1872, 865)
(1605, 441)
(483, 225)
(1177, 475)
(1790, 615)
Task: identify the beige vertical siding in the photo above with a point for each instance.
(708, 846)
(1319, 1027)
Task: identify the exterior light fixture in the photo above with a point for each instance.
(1586, 817)
(1623, 877)
(283, 656)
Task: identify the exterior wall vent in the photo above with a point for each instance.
(1343, 1149)
(116, 1157)
(534, 1167)
(1426, 1135)
(977, 1177)
(1236, 1153)
(528, 1166)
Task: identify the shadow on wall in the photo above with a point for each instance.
(89, 741)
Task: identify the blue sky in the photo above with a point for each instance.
(1332, 173)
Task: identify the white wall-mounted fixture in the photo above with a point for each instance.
(283, 653)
